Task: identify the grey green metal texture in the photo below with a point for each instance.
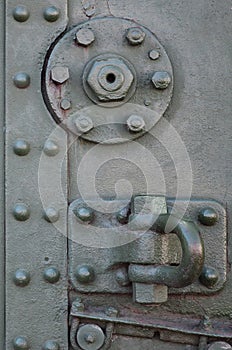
(45, 307)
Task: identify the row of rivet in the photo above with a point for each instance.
(22, 277)
(21, 13)
(22, 212)
(22, 343)
(22, 148)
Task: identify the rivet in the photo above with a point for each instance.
(51, 214)
(85, 274)
(208, 216)
(84, 214)
(51, 345)
(83, 124)
(50, 148)
(111, 312)
(147, 102)
(219, 345)
(209, 276)
(135, 36)
(21, 212)
(154, 55)
(21, 13)
(77, 305)
(122, 277)
(135, 123)
(161, 80)
(85, 37)
(51, 274)
(90, 337)
(21, 343)
(21, 80)
(122, 216)
(60, 74)
(21, 278)
(51, 13)
(65, 104)
(21, 147)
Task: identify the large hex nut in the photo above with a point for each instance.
(110, 79)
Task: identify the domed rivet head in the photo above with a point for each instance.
(51, 215)
(209, 277)
(21, 13)
(84, 214)
(219, 345)
(122, 216)
(50, 148)
(90, 337)
(51, 345)
(135, 123)
(51, 274)
(208, 216)
(85, 37)
(135, 36)
(122, 277)
(60, 74)
(21, 147)
(21, 80)
(21, 278)
(21, 343)
(161, 80)
(65, 104)
(84, 274)
(51, 14)
(21, 212)
(154, 55)
(83, 124)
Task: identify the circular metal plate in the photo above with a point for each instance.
(65, 79)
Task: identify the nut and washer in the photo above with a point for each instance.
(161, 80)
(84, 124)
(85, 37)
(135, 36)
(135, 123)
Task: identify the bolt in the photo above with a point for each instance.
(21, 343)
(59, 74)
(111, 312)
(85, 273)
(85, 37)
(21, 147)
(84, 214)
(122, 277)
(135, 36)
(21, 278)
(78, 306)
(21, 13)
(219, 345)
(51, 214)
(209, 276)
(122, 216)
(135, 123)
(65, 104)
(51, 345)
(51, 13)
(21, 80)
(154, 55)
(90, 337)
(50, 148)
(208, 216)
(83, 124)
(161, 80)
(51, 275)
(21, 212)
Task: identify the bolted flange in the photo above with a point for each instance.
(90, 337)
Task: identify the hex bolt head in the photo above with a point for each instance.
(85, 37)
(154, 55)
(51, 215)
(111, 312)
(161, 80)
(21, 80)
(21, 343)
(51, 275)
(219, 345)
(51, 345)
(65, 104)
(135, 123)
(60, 74)
(50, 148)
(21, 13)
(208, 216)
(85, 274)
(209, 277)
(135, 36)
(90, 337)
(21, 147)
(21, 212)
(84, 124)
(21, 278)
(51, 14)
(84, 214)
